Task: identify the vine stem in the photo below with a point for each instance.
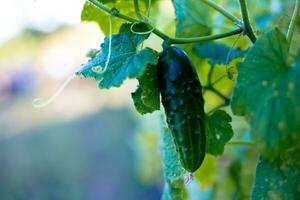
(240, 142)
(222, 10)
(137, 9)
(214, 90)
(246, 21)
(292, 25)
(174, 40)
(169, 40)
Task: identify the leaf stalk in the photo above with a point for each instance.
(293, 21)
(246, 21)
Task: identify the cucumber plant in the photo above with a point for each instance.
(266, 90)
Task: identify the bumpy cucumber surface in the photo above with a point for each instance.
(181, 93)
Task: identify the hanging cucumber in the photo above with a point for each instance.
(181, 93)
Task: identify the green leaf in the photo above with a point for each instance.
(217, 53)
(172, 169)
(146, 97)
(92, 14)
(218, 132)
(267, 91)
(277, 180)
(191, 18)
(126, 61)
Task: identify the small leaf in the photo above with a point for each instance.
(92, 53)
(277, 180)
(267, 92)
(217, 53)
(218, 132)
(146, 97)
(126, 61)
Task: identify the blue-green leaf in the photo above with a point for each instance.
(267, 92)
(277, 179)
(217, 53)
(191, 18)
(126, 61)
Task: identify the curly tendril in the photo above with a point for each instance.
(140, 33)
(41, 102)
(98, 69)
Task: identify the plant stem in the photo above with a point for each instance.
(111, 11)
(210, 73)
(240, 142)
(221, 10)
(137, 9)
(292, 25)
(246, 21)
(170, 40)
(174, 40)
(211, 88)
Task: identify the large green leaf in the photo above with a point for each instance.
(277, 179)
(218, 132)
(267, 91)
(126, 61)
(146, 97)
(91, 13)
(191, 18)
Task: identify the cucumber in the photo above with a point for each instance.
(181, 95)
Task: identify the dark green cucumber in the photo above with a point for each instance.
(181, 93)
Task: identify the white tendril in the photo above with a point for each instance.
(41, 102)
(140, 33)
(102, 70)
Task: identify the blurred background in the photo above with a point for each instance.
(81, 145)
(90, 143)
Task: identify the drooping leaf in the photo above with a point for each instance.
(126, 61)
(277, 179)
(172, 169)
(146, 97)
(217, 53)
(267, 91)
(218, 132)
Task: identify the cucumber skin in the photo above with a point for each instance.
(181, 94)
